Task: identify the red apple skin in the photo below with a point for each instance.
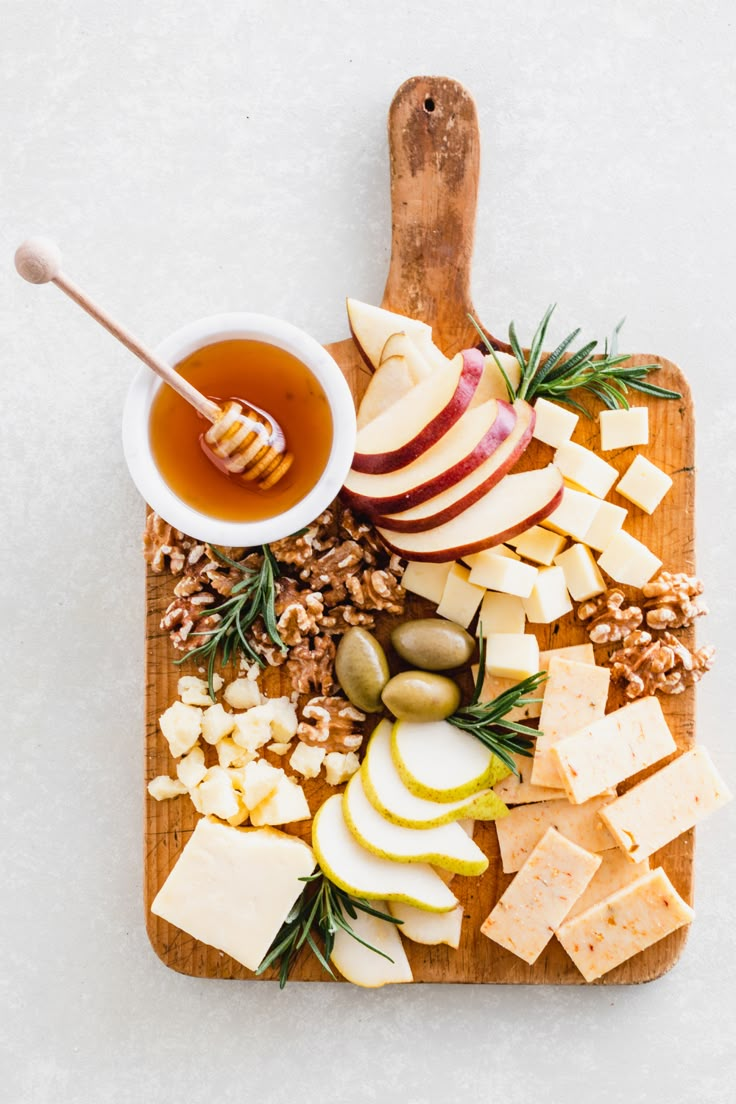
(470, 376)
(497, 432)
(395, 523)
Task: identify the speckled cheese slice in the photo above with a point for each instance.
(612, 749)
(623, 924)
(615, 872)
(540, 896)
(519, 789)
(575, 696)
(666, 804)
(520, 832)
(493, 686)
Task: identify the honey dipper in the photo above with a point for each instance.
(244, 441)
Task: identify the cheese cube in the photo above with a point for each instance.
(307, 759)
(512, 655)
(549, 883)
(520, 831)
(666, 804)
(242, 693)
(613, 749)
(605, 525)
(426, 579)
(253, 729)
(574, 515)
(460, 597)
(229, 754)
(644, 484)
(195, 691)
(553, 425)
(582, 577)
(284, 806)
(278, 748)
(216, 794)
(282, 718)
(549, 599)
(518, 789)
(585, 469)
(497, 550)
(493, 685)
(260, 781)
(181, 725)
(191, 768)
(623, 924)
(624, 428)
(540, 545)
(340, 766)
(629, 561)
(216, 724)
(164, 788)
(615, 872)
(501, 613)
(503, 574)
(575, 695)
(232, 888)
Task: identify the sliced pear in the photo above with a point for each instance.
(430, 928)
(389, 384)
(468, 826)
(400, 344)
(437, 761)
(388, 794)
(363, 966)
(372, 327)
(363, 874)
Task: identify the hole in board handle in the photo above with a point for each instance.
(429, 104)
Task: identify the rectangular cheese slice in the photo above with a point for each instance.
(519, 789)
(615, 872)
(575, 695)
(232, 888)
(520, 831)
(623, 924)
(540, 896)
(666, 804)
(613, 749)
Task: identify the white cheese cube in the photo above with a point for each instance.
(242, 693)
(540, 545)
(520, 831)
(164, 788)
(233, 888)
(512, 655)
(460, 597)
(497, 550)
(549, 599)
(500, 573)
(582, 577)
(644, 484)
(260, 780)
(252, 729)
(195, 691)
(284, 806)
(575, 695)
(501, 613)
(585, 469)
(216, 724)
(279, 749)
(191, 768)
(307, 760)
(615, 872)
(574, 515)
(230, 754)
(281, 714)
(629, 561)
(494, 385)
(182, 726)
(554, 425)
(426, 579)
(624, 428)
(340, 766)
(216, 794)
(605, 525)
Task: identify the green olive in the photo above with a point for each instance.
(433, 644)
(362, 669)
(421, 696)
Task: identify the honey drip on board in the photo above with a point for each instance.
(253, 373)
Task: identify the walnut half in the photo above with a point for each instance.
(608, 618)
(329, 722)
(670, 602)
(647, 666)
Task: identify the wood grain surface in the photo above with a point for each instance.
(435, 152)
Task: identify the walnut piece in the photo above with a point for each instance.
(329, 722)
(187, 622)
(311, 665)
(665, 665)
(332, 569)
(670, 602)
(608, 618)
(301, 617)
(162, 543)
(376, 590)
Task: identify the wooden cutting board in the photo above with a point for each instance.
(434, 150)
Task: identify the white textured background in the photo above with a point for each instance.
(192, 158)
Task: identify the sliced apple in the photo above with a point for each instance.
(429, 928)
(388, 794)
(387, 385)
(440, 762)
(360, 964)
(446, 846)
(372, 326)
(421, 417)
(493, 385)
(515, 504)
(363, 874)
(400, 344)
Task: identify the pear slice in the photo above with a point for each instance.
(372, 326)
(399, 344)
(439, 762)
(389, 384)
(363, 966)
(364, 874)
(446, 846)
(388, 794)
(430, 928)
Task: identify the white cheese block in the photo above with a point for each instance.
(644, 484)
(460, 597)
(520, 831)
(628, 561)
(493, 685)
(553, 425)
(497, 550)
(624, 428)
(666, 804)
(623, 924)
(615, 872)
(574, 515)
(501, 613)
(182, 726)
(582, 577)
(607, 522)
(426, 579)
(232, 888)
(549, 599)
(539, 545)
(501, 573)
(613, 749)
(518, 789)
(512, 655)
(540, 896)
(575, 695)
(588, 471)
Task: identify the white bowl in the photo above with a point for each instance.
(137, 445)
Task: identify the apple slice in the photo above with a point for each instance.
(388, 794)
(360, 964)
(400, 344)
(493, 385)
(430, 928)
(421, 417)
(388, 384)
(515, 504)
(373, 326)
(446, 846)
(439, 762)
(363, 874)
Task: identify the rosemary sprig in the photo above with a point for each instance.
(320, 911)
(487, 720)
(253, 596)
(554, 375)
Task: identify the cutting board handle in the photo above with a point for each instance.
(434, 147)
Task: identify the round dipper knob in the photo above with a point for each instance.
(38, 260)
